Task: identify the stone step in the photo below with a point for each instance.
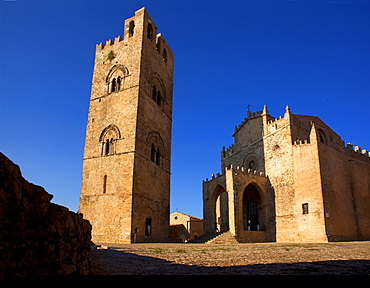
(224, 238)
(203, 239)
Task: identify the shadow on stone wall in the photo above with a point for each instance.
(38, 237)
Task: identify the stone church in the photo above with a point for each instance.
(125, 191)
(290, 179)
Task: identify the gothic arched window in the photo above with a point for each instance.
(322, 136)
(157, 148)
(115, 78)
(108, 139)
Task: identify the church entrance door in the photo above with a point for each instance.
(251, 201)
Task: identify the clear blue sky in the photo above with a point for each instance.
(311, 55)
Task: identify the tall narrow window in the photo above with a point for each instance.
(305, 208)
(152, 153)
(113, 87)
(150, 32)
(164, 55)
(106, 148)
(131, 27)
(154, 93)
(118, 83)
(148, 227)
(155, 155)
(105, 184)
(110, 146)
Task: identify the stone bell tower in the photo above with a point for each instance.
(125, 190)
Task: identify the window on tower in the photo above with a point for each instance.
(150, 32)
(108, 139)
(156, 95)
(164, 55)
(113, 86)
(131, 27)
(118, 87)
(155, 155)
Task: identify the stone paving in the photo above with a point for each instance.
(339, 258)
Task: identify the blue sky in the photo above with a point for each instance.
(312, 55)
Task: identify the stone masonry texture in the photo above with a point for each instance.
(38, 237)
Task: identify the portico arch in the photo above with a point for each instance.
(216, 208)
(221, 209)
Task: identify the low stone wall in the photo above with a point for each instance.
(38, 237)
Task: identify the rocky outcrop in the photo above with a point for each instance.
(38, 237)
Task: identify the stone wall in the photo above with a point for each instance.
(38, 237)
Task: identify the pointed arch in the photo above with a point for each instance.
(157, 147)
(115, 78)
(107, 129)
(160, 91)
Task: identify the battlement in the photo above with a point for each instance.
(356, 149)
(140, 27)
(238, 169)
(110, 42)
(301, 142)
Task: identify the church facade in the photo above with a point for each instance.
(125, 191)
(290, 179)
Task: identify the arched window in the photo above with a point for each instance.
(131, 27)
(150, 32)
(108, 138)
(322, 136)
(115, 78)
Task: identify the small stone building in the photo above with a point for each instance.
(185, 227)
(290, 179)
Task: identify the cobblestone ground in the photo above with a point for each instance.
(339, 258)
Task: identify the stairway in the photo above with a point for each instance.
(224, 238)
(203, 239)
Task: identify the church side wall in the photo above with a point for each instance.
(346, 187)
